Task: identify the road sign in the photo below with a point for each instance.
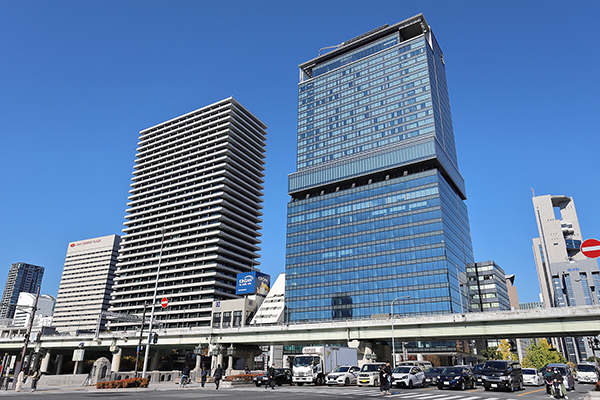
(164, 302)
(591, 248)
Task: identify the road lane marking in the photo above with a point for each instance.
(533, 391)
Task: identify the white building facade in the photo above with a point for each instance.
(86, 284)
(194, 212)
(43, 314)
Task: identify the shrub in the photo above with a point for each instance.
(124, 383)
(241, 377)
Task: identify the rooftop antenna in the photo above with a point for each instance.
(330, 47)
(532, 193)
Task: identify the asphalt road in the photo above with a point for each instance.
(298, 393)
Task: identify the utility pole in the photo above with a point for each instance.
(31, 317)
(139, 346)
(162, 242)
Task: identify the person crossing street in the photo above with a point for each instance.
(271, 376)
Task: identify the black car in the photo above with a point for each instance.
(459, 377)
(507, 375)
(431, 375)
(477, 369)
(282, 375)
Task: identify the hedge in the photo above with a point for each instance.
(124, 383)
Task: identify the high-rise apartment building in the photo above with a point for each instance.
(377, 206)
(22, 277)
(86, 284)
(194, 207)
(567, 277)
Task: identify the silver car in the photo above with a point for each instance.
(531, 376)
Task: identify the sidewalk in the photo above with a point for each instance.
(92, 389)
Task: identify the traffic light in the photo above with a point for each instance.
(155, 338)
(513, 346)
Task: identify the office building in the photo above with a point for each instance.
(22, 277)
(377, 209)
(487, 287)
(194, 209)
(566, 276)
(531, 305)
(86, 284)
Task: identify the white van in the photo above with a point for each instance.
(369, 374)
(587, 372)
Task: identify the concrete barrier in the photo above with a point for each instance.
(62, 380)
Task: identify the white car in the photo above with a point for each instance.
(407, 376)
(343, 375)
(532, 377)
(369, 374)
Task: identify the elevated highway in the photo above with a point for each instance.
(553, 322)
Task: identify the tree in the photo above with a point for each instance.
(433, 359)
(504, 350)
(540, 353)
(491, 353)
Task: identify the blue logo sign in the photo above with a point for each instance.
(252, 282)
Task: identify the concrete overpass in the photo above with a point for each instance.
(548, 322)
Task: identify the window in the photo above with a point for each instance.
(226, 319)
(216, 320)
(237, 318)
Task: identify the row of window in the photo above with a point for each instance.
(376, 189)
(373, 238)
(355, 206)
(376, 223)
(392, 248)
(377, 160)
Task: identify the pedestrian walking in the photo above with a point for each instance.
(246, 370)
(382, 380)
(271, 375)
(35, 377)
(203, 376)
(388, 377)
(20, 381)
(218, 375)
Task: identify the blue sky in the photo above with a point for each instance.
(80, 79)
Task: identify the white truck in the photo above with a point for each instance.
(316, 362)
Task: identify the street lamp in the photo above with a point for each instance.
(162, 241)
(392, 318)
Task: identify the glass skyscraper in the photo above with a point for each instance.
(377, 203)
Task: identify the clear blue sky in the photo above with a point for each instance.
(80, 79)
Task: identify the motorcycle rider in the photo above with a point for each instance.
(558, 387)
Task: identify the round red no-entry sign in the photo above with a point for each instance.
(164, 302)
(591, 248)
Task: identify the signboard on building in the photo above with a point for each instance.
(253, 282)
